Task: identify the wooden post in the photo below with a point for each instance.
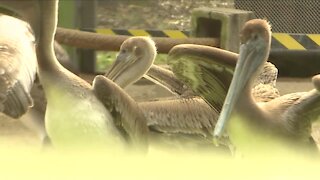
(86, 21)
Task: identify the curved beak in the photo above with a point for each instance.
(120, 65)
(249, 62)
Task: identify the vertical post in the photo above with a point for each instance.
(221, 23)
(67, 19)
(87, 22)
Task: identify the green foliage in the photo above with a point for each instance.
(105, 59)
(161, 59)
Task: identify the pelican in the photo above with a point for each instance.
(78, 114)
(18, 53)
(187, 115)
(208, 72)
(34, 118)
(136, 56)
(18, 66)
(283, 122)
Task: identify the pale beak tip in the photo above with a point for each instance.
(218, 130)
(216, 140)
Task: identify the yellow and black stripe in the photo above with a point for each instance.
(296, 41)
(141, 32)
(279, 40)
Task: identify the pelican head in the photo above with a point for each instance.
(316, 81)
(25, 10)
(254, 51)
(134, 59)
(18, 65)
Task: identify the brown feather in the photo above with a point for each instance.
(183, 115)
(126, 113)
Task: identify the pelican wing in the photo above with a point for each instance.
(126, 114)
(206, 70)
(168, 80)
(298, 110)
(303, 112)
(18, 64)
(180, 116)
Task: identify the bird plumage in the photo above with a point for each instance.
(17, 66)
(74, 116)
(286, 119)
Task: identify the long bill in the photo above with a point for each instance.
(119, 66)
(248, 63)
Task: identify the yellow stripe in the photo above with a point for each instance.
(174, 34)
(138, 32)
(315, 38)
(105, 31)
(287, 41)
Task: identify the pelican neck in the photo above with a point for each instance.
(247, 107)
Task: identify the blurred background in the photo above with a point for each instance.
(147, 14)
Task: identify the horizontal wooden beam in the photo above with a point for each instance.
(89, 40)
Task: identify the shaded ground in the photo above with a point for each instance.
(151, 14)
(147, 14)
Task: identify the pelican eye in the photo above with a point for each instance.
(123, 51)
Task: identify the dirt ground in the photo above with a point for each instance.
(13, 132)
(140, 14)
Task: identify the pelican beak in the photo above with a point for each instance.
(249, 61)
(122, 62)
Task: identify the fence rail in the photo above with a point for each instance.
(291, 41)
(166, 40)
(89, 40)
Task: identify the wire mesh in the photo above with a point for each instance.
(287, 16)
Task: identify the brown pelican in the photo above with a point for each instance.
(284, 121)
(77, 113)
(208, 72)
(18, 65)
(135, 58)
(203, 62)
(34, 118)
(187, 114)
(18, 54)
